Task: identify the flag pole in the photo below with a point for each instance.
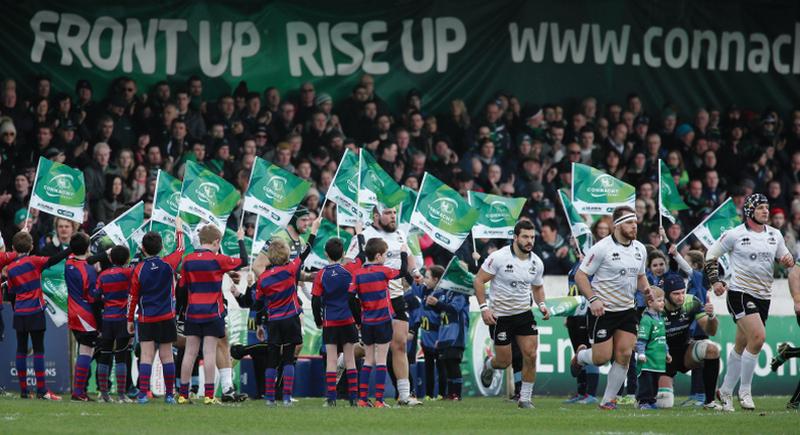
(703, 222)
(33, 192)
(569, 222)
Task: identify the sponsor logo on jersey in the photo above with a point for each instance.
(745, 241)
(615, 256)
(509, 268)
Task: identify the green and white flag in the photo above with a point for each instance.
(265, 229)
(58, 190)
(168, 241)
(274, 192)
(577, 226)
(207, 195)
(54, 288)
(414, 248)
(167, 198)
(457, 278)
(406, 208)
(720, 220)
(442, 213)
(121, 229)
(497, 217)
(376, 187)
(327, 230)
(344, 189)
(565, 306)
(669, 199)
(597, 193)
(230, 244)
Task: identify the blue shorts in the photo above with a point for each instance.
(376, 334)
(212, 328)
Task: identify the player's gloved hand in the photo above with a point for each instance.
(719, 288)
(488, 316)
(597, 308)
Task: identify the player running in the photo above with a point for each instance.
(753, 247)
(516, 276)
(201, 277)
(153, 292)
(617, 264)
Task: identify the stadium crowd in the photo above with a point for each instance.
(122, 137)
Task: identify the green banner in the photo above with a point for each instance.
(54, 288)
(230, 244)
(442, 213)
(327, 230)
(597, 193)
(539, 51)
(121, 229)
(577, 226)
(344, 189)
(457, 278)
(58, 190)
(167, 198)
(274, 192)
(669, 198)
(497, 217)
(376, 187)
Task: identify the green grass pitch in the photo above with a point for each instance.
(473, 415)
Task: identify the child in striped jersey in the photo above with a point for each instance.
(371, 285)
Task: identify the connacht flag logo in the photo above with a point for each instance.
(457, 278)
(498, 215)
(327, 230)
(274, 192)
(442, 213)
(58, 190)
(207, 196)
(167, 198)
(597, 193)
(669, 198)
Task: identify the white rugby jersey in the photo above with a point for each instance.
(513, 278)
(616, 269)
(395, 240)
(752, 256)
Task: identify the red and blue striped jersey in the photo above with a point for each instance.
(278, 287)
(371, 284)
(113, 286)
(81, 279)
(153, 286)
(5, 259)
(202, 274)
(25, 283)
(332, 285)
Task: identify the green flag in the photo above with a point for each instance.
(327, 230)
(230, 244)
(207, 195)
(265, 230)
(344, 189)
(414, 248)
(406, 208)
(457, 278)
(497, 217)
(720, 220)
(166, 199)
(442, 213)
(565, 306)
(59, 190)
(668, 196)
(595, 192)
(168, 241)
(274, 192)
(577, 226)
(121, 229)
(376, 187)
(54, 288)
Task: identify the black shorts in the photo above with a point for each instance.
(451, 353)
(161, 332)
(113, 330)
(399, 307)
(677, 365)
(88, 338)
(508, 327)
(340, 335)
(283, 331)
(578, 334)
(602, 328)
(741, 304)
(31, 323)
(213, 328)
(376, 334)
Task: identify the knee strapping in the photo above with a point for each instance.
(665, 398)
(701, 348)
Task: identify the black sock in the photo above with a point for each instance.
(582, 382)
(796, 396)
(710, 375)
(592, 380)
